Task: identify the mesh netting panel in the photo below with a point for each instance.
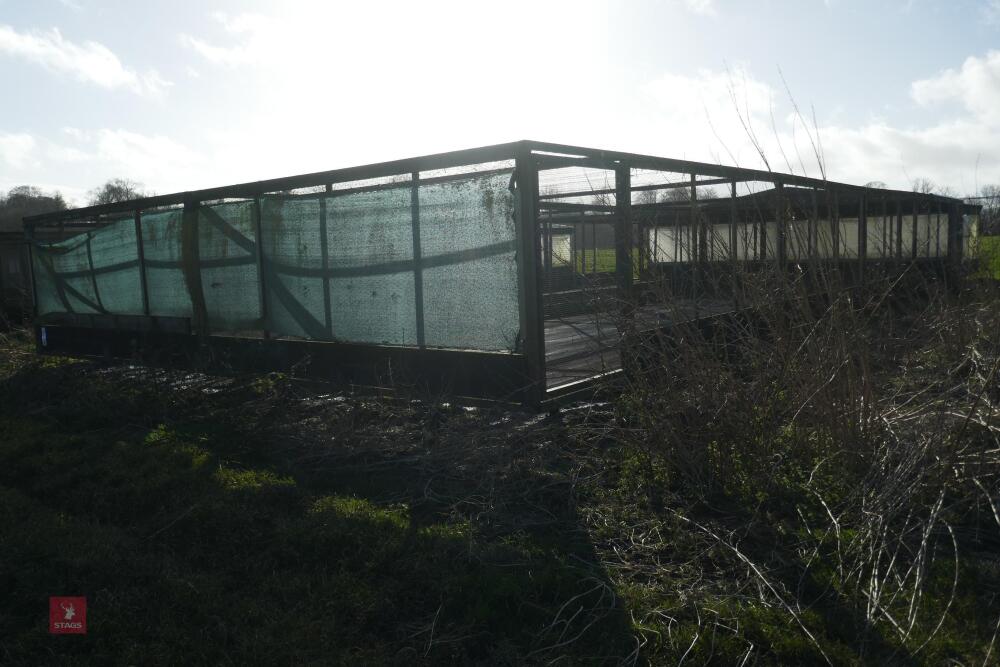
(229, 277)
(293, 281)
(115, 255)
(94, 272)
(161, 245)
(66, 268)
(468, 245)
(46, 290)
(370, 242)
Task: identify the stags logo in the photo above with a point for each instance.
(67, 616)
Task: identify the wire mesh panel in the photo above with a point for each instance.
(94, 272)
(162, 247)
(227, 257)
(370, 267)
(292, 248)
(114, 258)
(468, 248)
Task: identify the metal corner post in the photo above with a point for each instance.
(29, 237)
(141, 255)
(261, 265)
(529, 277)
(624, 241)
(418, 274)
(191, 266)
(781, 225)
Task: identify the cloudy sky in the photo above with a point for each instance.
(182, 95)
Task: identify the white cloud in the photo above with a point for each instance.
(17, 150)
(78, 160)
(89, 61)
(991, 12)
(698, 117)
(219, 55)
(976, 85)
(704, 7)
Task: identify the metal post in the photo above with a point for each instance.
(141, 254)
(956, 240)
(862, 233)
(696, 252)
(886, 229)
(418, 270)
(734, 245)
(898, 252)
(733, 217)
(29, 233)
(937, 230)
(324, 248)
(532, 319)
(916, 222)
(623, 233)
(835, 226)
(813, 240)
(261, 282)
(93, 274)
(191, 267)
(781, 249)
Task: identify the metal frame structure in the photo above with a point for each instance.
(519, 376)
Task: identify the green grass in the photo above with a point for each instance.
(989, 255)
(606, 261)
(198, 538)
(249, 522)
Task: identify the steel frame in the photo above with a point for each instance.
(529, 158)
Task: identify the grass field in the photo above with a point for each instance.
(252, 520)
(989, 255)
(605, 259)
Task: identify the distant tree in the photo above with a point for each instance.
(989, 199)
(684, 194)
(116, 190)
(24, 200)
(877, 185)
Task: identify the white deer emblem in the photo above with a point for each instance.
(69, 609)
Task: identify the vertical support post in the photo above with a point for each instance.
(141, 254)
(191, 267)
(324, 249)
(93, 273)
(418, 269)
(813, 241)
(733, 221)
(916, 222)
(886, 230)
(261, 266)
(956, 240)
(898, 252)
(593, 249)
(547, 258)
(862, 233)
(937, 230)
(835, 226)
(781, 243)
(696, 252)
(623, 234)
(734, 254)
(532, 320)
(29, 234)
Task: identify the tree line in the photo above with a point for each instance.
(24, 200)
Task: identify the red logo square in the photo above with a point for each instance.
(67, 616)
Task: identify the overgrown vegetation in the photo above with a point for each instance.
(816, 483)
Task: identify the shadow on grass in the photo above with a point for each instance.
(225, 522)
